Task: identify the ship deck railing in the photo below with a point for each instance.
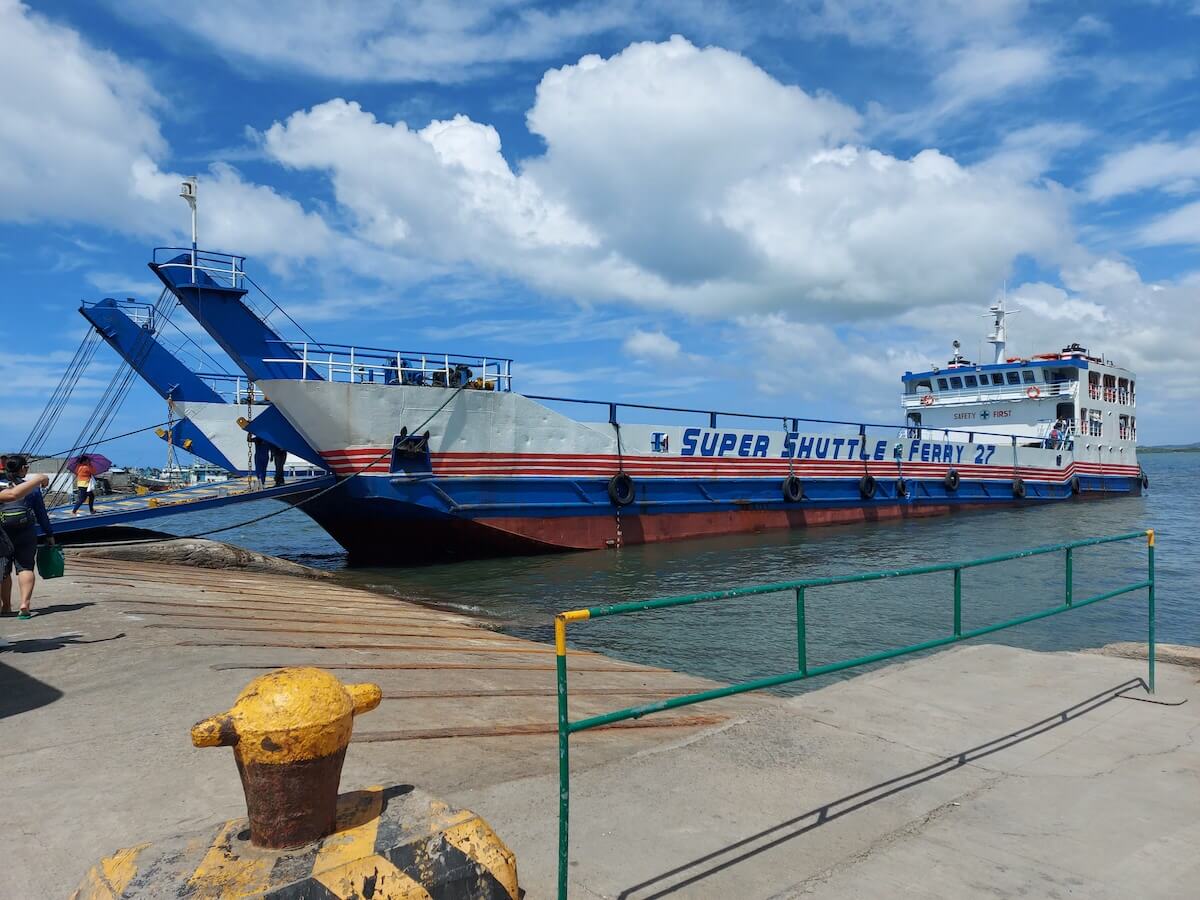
(792, 424)
(225, 269)
(803, 669)
(376, 365)
(992, 393)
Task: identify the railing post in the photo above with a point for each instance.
(958, 602)
(304, 364)
(1070, 585)
(1150, 605)
(801, 633)
(564, 765)
(712, 420)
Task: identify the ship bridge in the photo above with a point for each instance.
(1071, 392)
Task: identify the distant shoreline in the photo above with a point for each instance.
(1189, 448)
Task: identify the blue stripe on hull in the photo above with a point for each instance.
(378, 519)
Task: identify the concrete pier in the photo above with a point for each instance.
(981, 771)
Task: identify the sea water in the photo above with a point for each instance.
(746, 638)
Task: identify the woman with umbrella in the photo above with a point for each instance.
(86, 468)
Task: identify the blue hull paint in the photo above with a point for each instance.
(386, 520)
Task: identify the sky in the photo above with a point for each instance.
(774, 207)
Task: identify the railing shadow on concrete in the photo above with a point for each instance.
(696, 870)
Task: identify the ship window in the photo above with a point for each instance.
(942, 386)
(997, 378)
(1014, 378)
(1028, 375)
(956, 383)
(970, 379)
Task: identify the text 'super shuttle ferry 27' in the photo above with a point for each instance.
(442, 456)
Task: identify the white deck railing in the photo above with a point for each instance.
(370, 365)
(991, 393)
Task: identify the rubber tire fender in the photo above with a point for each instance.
(1076, 487)
(867, 486)
(1144, 478)
(793, 489)
(901, 487)
(1018, 488)
(952, 480)
(620, 489)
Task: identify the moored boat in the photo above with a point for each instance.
(441, 456)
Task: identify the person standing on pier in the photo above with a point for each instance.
(262, 455)
(85, 485)
(279, 458)
(21, 504)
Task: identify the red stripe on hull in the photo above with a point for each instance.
(594, 532)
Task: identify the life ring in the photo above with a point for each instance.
(1018, 488)
(927, 400)
(901, 487)
(867, 486)
(620, 489)
(951, 481)
(1076, 487)
(793, 489)
(1033, 392)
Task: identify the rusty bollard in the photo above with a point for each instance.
(289, 730)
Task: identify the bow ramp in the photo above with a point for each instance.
(127, 509)
(215, 410)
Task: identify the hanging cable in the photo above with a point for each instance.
(61, 395)
(286, 315)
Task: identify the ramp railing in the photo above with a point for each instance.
(803, 670)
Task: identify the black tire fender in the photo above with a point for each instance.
(793, 489)
(1144, 478)
(867, 486)
(952, 480)
(901, 487)
(1076, 487)
(1018, 488)
(620, 489)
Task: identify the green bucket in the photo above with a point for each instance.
(50, 561)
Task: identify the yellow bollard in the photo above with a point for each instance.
(289, 730)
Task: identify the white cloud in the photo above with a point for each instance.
(929, 24)
(980, 72)
(1180, 226)
(680, 177)
(1173, 166)
(445, 41)
(79, 142)
(652, 345)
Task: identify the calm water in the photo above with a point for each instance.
(735, 640)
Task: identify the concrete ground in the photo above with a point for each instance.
(980, 771)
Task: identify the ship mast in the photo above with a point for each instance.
(999, 336)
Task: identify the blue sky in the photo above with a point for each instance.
(775, 207)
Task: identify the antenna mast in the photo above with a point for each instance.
(187, 190)
(999, 336)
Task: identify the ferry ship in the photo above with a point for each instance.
(440, 455)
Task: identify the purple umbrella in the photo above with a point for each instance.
(100, 462)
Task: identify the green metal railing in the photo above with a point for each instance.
(566, 727)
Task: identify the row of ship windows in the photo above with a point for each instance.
(956, 382)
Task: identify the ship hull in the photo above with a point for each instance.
(380, 522)
(500, 473)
